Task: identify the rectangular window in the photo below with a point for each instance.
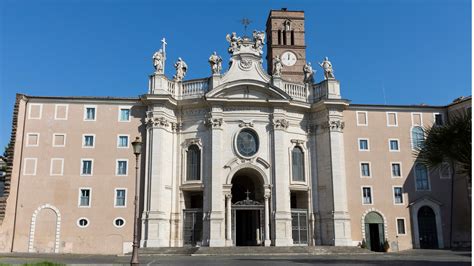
(120, 199)
(124, 114)
(122, 141)
(60, 111)
(85, 197)
(393, 145)
(367, 195)
(401, 226)
(59, 140)
(365, 169)
(35, 110)
(398, 195)
(438, 119)
(421, 177)
(416, 119)
(32, 139)
(88, 141)
(362, 118)
(122, 167)
(89, 113)
(86, 167)
(57, 166)
(392, 119)
(30, 166)
(363, 144)
(396, 170)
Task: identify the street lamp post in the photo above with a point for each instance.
(137, 149)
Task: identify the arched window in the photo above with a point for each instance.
(193, 163)
(297, 159)
(421, 176)
(279, 37)
(417, 137)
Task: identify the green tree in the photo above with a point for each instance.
(450, 143)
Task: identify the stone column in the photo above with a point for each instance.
(283, 234)
(267, 221)
(217, 226)
(229, 219)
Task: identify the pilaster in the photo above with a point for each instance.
(158, 186)
(215, 122)
(283, 233)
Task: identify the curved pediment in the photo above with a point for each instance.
(248, 89)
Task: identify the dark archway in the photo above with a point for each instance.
(247, 208)
(247, 182)
(374, 231)
(427, 228)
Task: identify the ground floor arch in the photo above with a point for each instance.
(374, 231)
(247, 209)
(426, 223)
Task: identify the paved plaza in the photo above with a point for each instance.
(410, 257)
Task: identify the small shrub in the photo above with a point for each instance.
(363, 244)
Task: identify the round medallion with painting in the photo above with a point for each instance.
(247, 142)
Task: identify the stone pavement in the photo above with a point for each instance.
(266, 256)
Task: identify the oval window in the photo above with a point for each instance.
(82, 222)
(247, 142)
(119, 222)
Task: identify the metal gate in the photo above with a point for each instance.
(192, 227)
(299, 226)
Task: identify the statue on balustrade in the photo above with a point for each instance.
(158, 61)
(216, 63)
(327, 67)
(308, 73)
(181, 69)
(277, 66)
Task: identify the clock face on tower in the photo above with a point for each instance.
(288, 58)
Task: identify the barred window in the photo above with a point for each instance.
(297, 158)
(193, 163)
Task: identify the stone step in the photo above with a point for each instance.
(252, 251)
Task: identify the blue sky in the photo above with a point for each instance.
(418, 50)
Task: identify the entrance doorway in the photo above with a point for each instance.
(427, 228)
(247, 209)
(192, 219)
(374, 231)
(247, 227)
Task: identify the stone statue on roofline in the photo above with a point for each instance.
(234, 42)
(259, 39)
(327, 67)
(158, 61)
(277, 66)
(216, 63)
(308, 73)
(181, 69)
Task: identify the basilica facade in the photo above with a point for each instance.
(244, 157)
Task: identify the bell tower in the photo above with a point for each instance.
(285, 33)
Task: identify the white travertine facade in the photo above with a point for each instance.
(239, 158)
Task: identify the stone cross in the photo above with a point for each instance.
(163, 41)
(248, 193)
